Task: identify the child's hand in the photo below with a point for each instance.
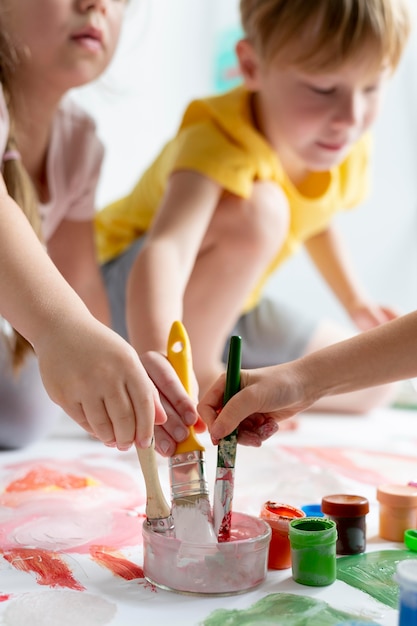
(256, 429)
(179, 406)
(268, 395)
(368, 315)
(98, 379)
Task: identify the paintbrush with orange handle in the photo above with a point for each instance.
(189, 489)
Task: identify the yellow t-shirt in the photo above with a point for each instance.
(217, 138)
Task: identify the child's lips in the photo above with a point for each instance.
(331, 147)
(90, 38)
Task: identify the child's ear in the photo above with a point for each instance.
(248, 64)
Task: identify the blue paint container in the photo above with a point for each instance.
(312, 510)
(406, 577)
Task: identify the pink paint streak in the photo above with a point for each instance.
(49, 568)
(46, 478)
(69, 506)
(364, 466)
(116, 563)
(5, 597)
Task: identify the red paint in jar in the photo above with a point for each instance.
(278, 516)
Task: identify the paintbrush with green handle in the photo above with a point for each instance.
(158, 512)
(189, 489)
(226, 451)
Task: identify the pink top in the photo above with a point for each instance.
(74, 160)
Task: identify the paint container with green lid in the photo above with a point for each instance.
(313, 550)
(410, 539)
(349, 512)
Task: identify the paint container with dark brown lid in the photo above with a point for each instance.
(397, 510)
(349, 512)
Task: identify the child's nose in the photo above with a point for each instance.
(350, 110)
(89, 5)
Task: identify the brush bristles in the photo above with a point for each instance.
(193, 520)
(191, 499)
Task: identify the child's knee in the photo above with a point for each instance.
(258, 225)
(267, 218)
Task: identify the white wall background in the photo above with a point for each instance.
(166, 58)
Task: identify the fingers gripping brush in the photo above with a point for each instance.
(189, 489)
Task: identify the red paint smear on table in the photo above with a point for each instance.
(42, 477)
(116, 563)
(49, 568)
(365, 466)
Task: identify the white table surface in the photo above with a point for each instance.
(326, 454)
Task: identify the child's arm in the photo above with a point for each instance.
(330, 256)
(376, 357)
(72, 249)
(160, 274)
(95, 376)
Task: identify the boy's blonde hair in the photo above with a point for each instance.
(18, 182)
(323, 34)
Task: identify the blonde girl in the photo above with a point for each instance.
(52, 302)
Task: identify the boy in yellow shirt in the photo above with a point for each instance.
(250, 177)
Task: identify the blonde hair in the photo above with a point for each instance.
(18, 182)
(323, 34)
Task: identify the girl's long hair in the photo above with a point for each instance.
(18, 182)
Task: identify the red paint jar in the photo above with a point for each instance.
(349, 512)
(278, 516)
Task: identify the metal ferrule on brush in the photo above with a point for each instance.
(162, 525)
(187, 473)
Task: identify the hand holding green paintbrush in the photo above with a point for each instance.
(226, 451)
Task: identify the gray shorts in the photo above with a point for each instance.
(271, 333)
(115, 274)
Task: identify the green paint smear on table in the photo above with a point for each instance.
(285, 609)
(373, 573)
